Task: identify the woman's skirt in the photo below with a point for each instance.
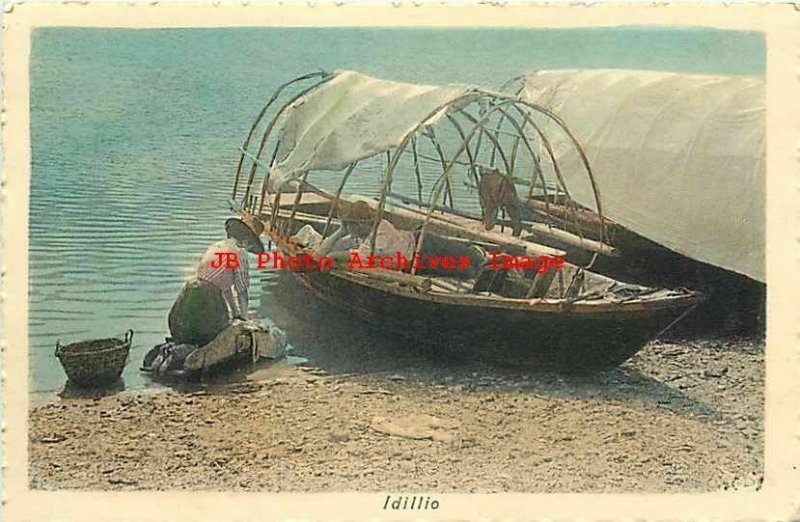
(198, 314)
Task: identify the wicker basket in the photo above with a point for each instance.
(97, 362)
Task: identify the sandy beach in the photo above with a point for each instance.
(680, 416)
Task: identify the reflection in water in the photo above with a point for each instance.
(73, 391)
(329, 337)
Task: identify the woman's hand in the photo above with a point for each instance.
(242, 301)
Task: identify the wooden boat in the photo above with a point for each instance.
(341, 125)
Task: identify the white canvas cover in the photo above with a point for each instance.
(352, 117)
(678, 158)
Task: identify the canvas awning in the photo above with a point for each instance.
(351, 117)
(679, 158)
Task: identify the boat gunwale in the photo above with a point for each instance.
(533, 304)
(576, 306)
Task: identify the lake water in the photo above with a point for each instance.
(134, 143)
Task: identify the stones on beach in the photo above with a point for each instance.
(122, 481)
(53, 439)
(244, 389)
(313, 370)
(714, 372)
(417, 427)
(673, 351)
(339, 435)
(377, 391)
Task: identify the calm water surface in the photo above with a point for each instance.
(134, 143)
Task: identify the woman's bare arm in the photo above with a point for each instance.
(243, 303)
(233, 303)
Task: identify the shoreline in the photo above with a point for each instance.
(680, 416)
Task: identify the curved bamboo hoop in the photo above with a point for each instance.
(260, 116)
(472, 165)
(535, 159)
(548, 148)
(271, 126)
(563, 126)
(576, 144)
(581, 153)
(388, 172)
(445, 176)
(335, 203)
(416, 167)
(440, 151)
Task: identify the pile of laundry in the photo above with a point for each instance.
(241, 341)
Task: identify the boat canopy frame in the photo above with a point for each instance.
(470, 128)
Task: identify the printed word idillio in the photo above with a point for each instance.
(413, 502)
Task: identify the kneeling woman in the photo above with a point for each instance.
(216, 294)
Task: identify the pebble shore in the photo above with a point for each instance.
(680, 416)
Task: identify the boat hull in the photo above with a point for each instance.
(564, 339)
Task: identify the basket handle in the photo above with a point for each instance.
(129, 336)
(58, 348)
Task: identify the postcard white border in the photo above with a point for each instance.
(778, 500)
